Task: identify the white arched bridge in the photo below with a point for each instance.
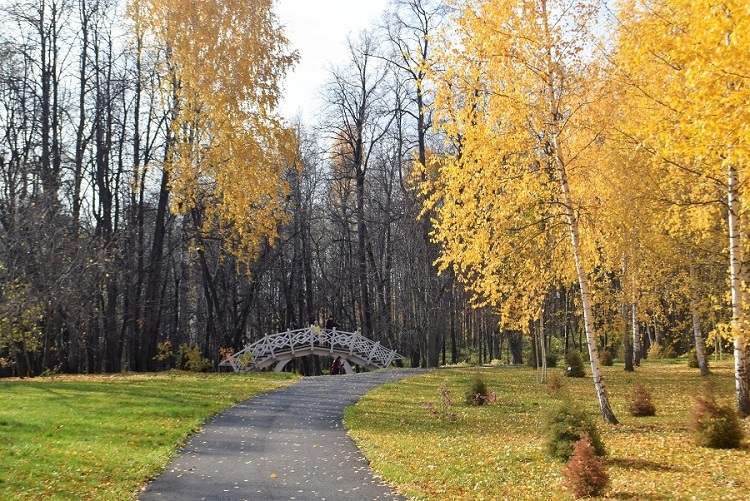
(278, 349)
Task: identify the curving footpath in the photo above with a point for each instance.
(286, 444)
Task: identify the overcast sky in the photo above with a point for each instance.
(317, 29)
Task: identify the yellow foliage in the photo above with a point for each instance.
(684, 66)
(513, 97)
(190, 358)
(163, 351)
(21, 322)
(224, 61)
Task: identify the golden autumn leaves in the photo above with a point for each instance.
(223, 62)
(574, 145)
(584, 140)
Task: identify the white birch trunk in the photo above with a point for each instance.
(553, 70)
(542, 372)
(735, 272)
(627, 344)
(588, 316)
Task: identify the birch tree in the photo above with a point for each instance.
(221, 65)
(516, 95)
(226, 59)
(694, 119)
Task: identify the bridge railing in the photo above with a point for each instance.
(284, 346)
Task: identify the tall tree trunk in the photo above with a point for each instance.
(542, 365)
(307, 270)
(152, 298)
(700, 346)
(454, 341)
(738, 296)
(81, 139)
(569, 209)
(627, 346)
(364, 282)
(637, 348)
(515, 346)
(588, 314)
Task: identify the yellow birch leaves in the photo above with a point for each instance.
(512, 98)
(224, 61)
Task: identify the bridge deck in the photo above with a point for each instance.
(279, 349)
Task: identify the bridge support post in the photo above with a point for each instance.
(281, 364)
(347, 366)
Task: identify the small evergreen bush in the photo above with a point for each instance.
(714, 425)
(574, 362)
(585, 474)
(606, 359)
(640, 402)
(551, 359)
(566, 424)
(477, 394)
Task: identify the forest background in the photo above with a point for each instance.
(477, 165)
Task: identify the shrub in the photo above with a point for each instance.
(190, 359)
(477, 394)
(606, 358)
(565, 425)
(555, 384)
(669, 352)
(657, 351)
(164, 351)
(714, 425)
(640, 402)
(585, 474)
(551, 359)
(654, 352)
(574, 361)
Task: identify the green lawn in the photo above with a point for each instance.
(498, 451)
(102, 437)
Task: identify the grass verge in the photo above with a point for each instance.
(421, 437)
(102, 437)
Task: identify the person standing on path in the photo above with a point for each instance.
(336, 366)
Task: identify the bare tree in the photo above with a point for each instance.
(410, 26)
(359, 115)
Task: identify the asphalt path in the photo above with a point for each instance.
(289, 443)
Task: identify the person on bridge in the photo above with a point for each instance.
(330, 323)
